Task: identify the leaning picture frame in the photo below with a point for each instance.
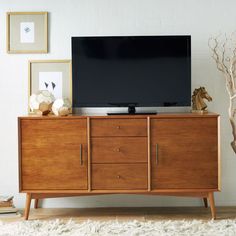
(27, 32)
(52, 75)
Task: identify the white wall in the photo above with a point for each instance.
(201, 19)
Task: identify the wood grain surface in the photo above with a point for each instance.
(119, 150)
(186, 155)
(166, 154)
(118, 127)
(51, 154)
(119, 176)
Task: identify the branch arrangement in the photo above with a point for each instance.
(224, 54)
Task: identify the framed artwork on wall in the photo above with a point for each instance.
(52, 75)
(27, 32)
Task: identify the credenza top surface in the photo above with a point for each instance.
(104, 116)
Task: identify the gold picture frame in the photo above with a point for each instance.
(57, 74)
(27, 32)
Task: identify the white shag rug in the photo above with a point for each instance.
(119, 228)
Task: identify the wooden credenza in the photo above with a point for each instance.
(165, 154)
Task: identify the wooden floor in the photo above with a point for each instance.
(123, 214)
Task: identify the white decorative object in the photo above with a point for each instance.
(61, 107)
(41, 103)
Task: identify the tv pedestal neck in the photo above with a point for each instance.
(131, 111)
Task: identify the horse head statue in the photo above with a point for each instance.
(197, 99)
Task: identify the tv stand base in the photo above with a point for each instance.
(131, 110)
(136, 113)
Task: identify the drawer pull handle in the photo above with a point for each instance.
(156, 154)
(80, 155)
(118, 149)
(118, 176)
(118, 127)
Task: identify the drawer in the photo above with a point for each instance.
(119, 150)
(41, 133)
(118, 127)
(119, 176)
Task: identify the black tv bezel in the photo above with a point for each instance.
(155, 104)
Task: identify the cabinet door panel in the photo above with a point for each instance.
(184, 153)
(53, 154)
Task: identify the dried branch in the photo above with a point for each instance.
(226, 63)
(215, 55)
(232, 74)
(223, 58)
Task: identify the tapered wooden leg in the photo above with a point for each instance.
(212, 205)
(205, 202)
(36, 203)
(27, 205)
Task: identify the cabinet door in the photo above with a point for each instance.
(184, 153)
(53, 154)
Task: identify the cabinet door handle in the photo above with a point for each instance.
(81, 154)
(156, 154)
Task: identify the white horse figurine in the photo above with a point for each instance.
(197, 98)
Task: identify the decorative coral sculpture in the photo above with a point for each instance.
(61, 107)
(41, 103)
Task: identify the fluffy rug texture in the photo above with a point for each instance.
(128, 228)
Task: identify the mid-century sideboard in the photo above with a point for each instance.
(164, 154)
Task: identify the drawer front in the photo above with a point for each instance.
(119, 176)
(118, 127)
(119, 150)
(38, 133)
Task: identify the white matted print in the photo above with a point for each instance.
(27, 32)
(52, 75)
(51, 81)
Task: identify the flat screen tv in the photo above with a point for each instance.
(141, 71)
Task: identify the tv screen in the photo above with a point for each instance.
(144, 70)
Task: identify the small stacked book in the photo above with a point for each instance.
(7, 208)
